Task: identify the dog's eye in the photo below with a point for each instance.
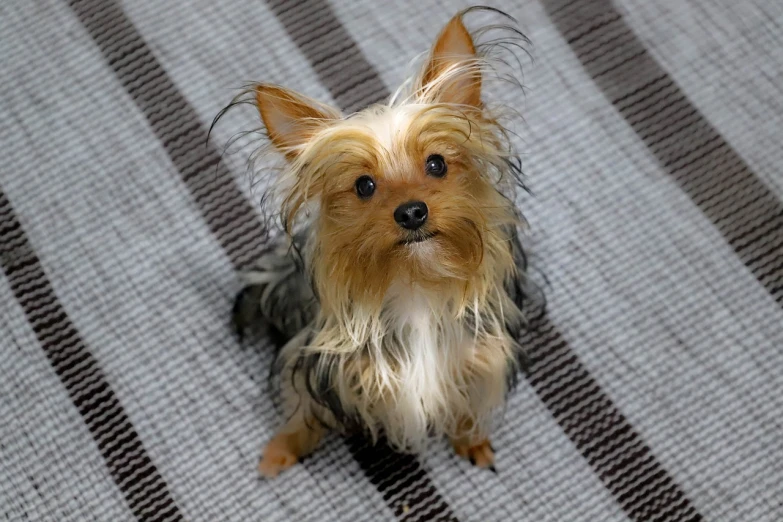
(436, 166)
(365, 187)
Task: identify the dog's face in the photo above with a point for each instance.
(402, 192)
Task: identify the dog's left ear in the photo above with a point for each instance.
(453, 72)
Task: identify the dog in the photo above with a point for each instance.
(399, 289)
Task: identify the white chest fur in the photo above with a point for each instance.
(439, 376)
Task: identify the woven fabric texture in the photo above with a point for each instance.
(651, 141)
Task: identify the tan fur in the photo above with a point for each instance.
(479, 453)
(415, 333)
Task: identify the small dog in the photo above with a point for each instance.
(400, 287)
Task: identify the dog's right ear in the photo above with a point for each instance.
(290, 118)
(453, 71)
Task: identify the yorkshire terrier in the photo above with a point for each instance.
(399, 287)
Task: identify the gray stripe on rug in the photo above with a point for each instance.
(686, 145)
(130, 466)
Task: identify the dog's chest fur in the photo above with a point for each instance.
(433, 373)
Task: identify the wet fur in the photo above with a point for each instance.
(395, 339)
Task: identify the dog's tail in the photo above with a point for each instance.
(277, 293)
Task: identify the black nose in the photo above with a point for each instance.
(411, 215)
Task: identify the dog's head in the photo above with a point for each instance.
(410, 191)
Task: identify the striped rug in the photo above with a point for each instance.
(651, 141)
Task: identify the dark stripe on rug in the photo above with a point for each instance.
(606, 439)
(404, 484)
(585, 413)
(618, 454)
(354, 84)
(687, 146)
(174, 121)
(229, 216)
(128, 463)
(339, 63)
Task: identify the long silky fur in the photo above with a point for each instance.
(417, 349)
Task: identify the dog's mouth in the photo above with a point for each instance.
(418, 237)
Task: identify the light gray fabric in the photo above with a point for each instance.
(675, 328)
(658, 307)
(46, 449)
(726, 57)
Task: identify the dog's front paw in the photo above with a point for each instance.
(279, 455)
(481, 455)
